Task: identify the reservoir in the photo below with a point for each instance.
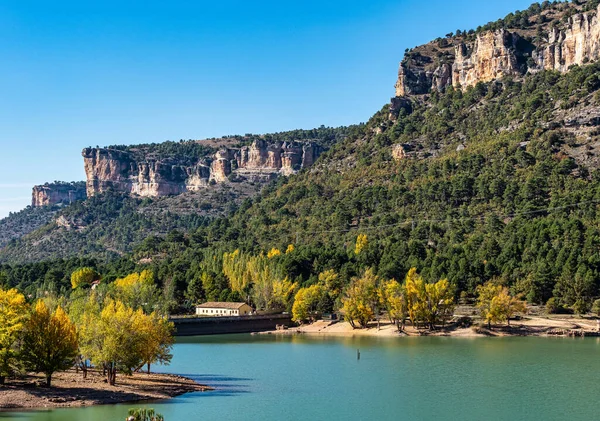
(268, 377)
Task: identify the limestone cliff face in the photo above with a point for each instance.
(119, 170)
(464, 61)
(494, 56)
(414, 76)
(578, 43)
(56, 193)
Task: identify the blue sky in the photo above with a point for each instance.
(82, 73)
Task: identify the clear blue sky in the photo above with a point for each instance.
(81, 73)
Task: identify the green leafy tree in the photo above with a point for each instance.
(144, 415)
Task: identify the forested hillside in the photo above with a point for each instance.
(498, 181)
(112, 224)
(190, 151)
(19, 224)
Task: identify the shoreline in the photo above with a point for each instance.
(556, 326)
(70, 389)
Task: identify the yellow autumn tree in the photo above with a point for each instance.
(121, 339)
(83, 276)
(392, 297)
(262, 275)
(273, 252)
(13, 314)
(283, 291)
(306, 302)
(49, 341)
(360, 301)
(138, 290)
(234, 268)
(331, 282)
(259, 277)
(496, 305)
(157, 338)
(81, 306)
(427, 303)
(290, 249)
(361, 243)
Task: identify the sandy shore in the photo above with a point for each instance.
(555, 325)
(70, 389)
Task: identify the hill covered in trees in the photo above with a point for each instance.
(113, 221)
(494, 181)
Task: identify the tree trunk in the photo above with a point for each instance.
(111, 374)
(48, 380)
(148, 368)
(2, 379)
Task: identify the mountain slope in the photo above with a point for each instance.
(498, 179)
(114, 220)
(19, 224)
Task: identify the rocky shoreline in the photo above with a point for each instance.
(70, 389)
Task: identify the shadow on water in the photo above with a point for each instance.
(224, 385)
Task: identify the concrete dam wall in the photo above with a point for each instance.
(222, 325)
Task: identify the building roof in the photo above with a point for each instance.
(228, 306)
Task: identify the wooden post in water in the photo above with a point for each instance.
(358, 354)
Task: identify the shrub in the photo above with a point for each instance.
(581, 306)
(596, 307)
(552, 306)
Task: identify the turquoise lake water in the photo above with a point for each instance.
(264, 377)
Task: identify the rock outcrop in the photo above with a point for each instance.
(578, 43)
(464, 61)
(493, 56)
(57, 193)
(150, 177)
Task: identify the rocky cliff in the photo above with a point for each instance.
(465, 60)
(155, 177)
(56, 193)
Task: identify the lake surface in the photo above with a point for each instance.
(267, 378)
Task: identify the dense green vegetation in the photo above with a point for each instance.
(110, 225)
(188, 152)
(513, 206)
(19, 224)
(497, 183)
(106, 226)
(532, 18)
